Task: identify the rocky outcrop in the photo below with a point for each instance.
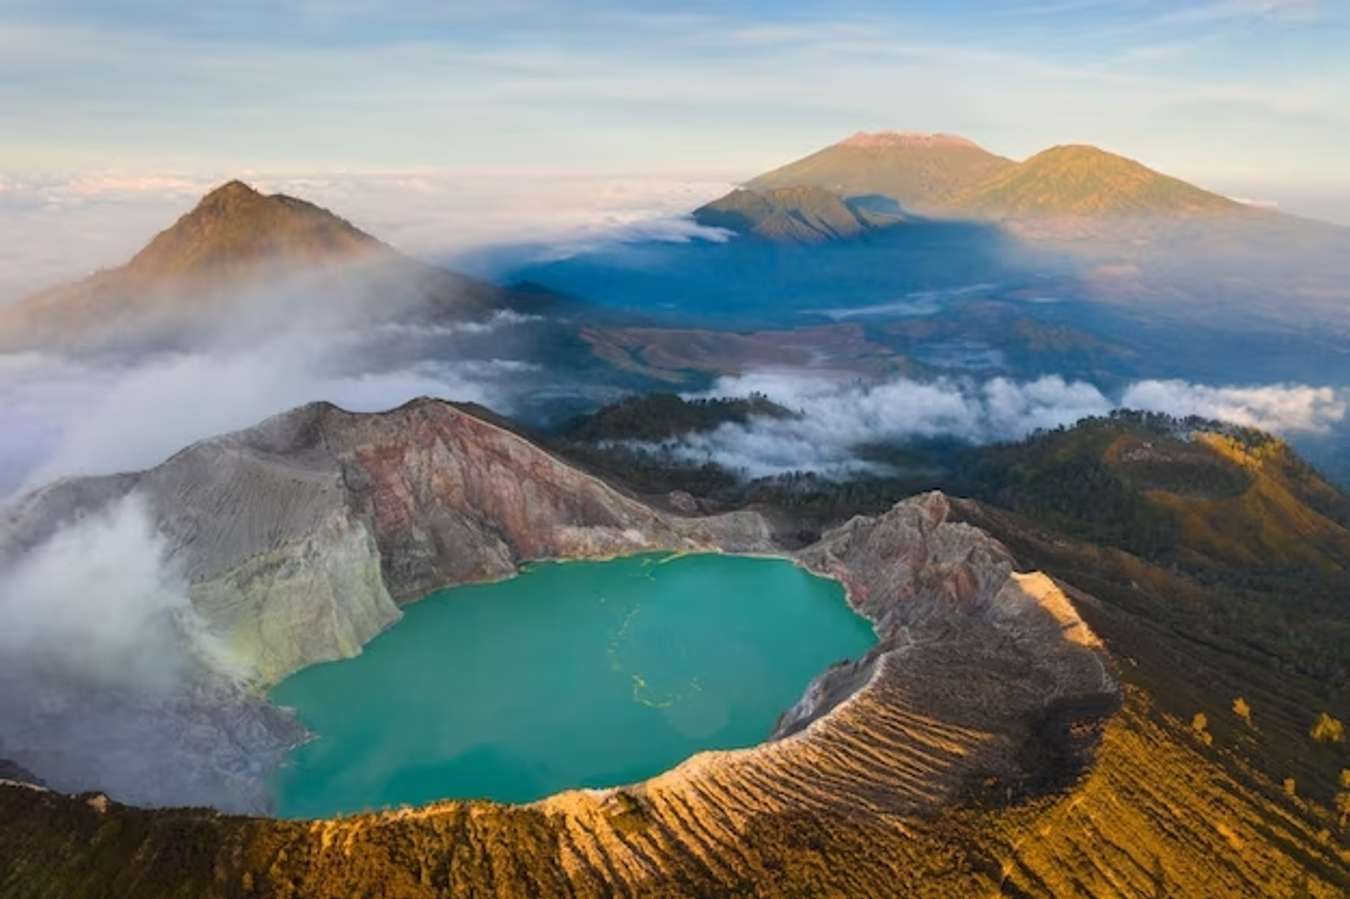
(297, 541)
(940, 592)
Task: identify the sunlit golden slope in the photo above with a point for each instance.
(921, 172)
(939, 174)
(1273, 521)
(1085, 181)
(1155, 817)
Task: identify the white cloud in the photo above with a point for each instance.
(65, 418)
(1281, 408)
(1228, 10)
(914, 303)
(838, 416)
(92, 601)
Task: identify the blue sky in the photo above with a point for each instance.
(1243, 95)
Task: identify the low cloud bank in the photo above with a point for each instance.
(839, 416)
(66, 417)
(1280, 408)
(916, 303)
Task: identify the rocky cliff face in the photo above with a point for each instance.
(941, 594)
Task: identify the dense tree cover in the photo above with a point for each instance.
(662, 416)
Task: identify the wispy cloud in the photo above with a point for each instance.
(1229, 10)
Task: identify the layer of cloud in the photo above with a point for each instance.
(913, 304)
(1281, 408)
(62, 417)
(837, 417)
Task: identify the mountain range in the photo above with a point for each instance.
(943, 175)
(242, 262)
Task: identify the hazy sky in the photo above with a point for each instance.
(1246, 96)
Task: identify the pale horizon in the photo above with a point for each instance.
(1244, 97)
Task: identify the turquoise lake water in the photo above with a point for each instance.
(580, 674)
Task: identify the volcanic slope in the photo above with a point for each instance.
(921, 172)
(946, 176)
(801, 214)
(241, 261)
(1082, 180)
(983, 748)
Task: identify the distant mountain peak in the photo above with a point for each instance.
(946, 174)
(1083, 180)
(230, 190)
(921, 172)
(905, 139)
(236, 226)
(237, 249)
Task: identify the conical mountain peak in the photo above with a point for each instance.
(235, 225)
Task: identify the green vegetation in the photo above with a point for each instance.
(945, 174)
(654, 417)
(799, 214)
(1200, 727)
(1234, 602)
(1086, 181)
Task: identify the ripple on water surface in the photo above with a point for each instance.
(579, 674)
